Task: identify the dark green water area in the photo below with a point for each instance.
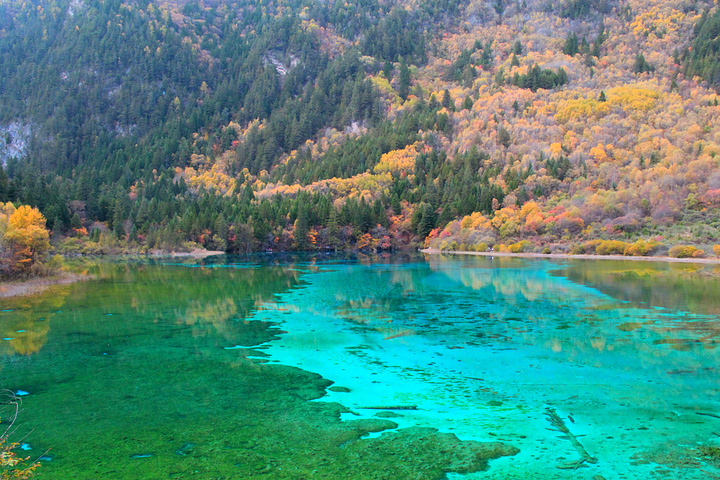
(369, 368)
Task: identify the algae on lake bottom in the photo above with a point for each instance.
(135, 382)
(204, 371)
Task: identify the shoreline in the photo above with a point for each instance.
(32, 286)
(197, 253)
(550, 256)
(36, 285)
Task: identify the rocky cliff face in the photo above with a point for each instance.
(14, 140)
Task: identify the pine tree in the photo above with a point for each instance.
(571, 45)
(404, 86)
(517, 48)
(468, 103)
(427, 220)
(446, 101)
(504, 138)
(333, 229)
(395, 204)
(301, 228)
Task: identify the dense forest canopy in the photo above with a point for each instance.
(242, 125)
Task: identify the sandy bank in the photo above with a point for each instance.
(36, 285)
(711, 261)
(198, 253)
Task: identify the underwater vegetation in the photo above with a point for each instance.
(155, 372)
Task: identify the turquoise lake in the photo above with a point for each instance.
(395, 367)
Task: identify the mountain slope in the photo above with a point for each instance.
(294, 124)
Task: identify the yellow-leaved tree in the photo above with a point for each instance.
(24, 239)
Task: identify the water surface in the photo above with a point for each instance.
(272, 367)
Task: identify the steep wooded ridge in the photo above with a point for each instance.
(586, 126)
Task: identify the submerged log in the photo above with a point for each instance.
(558, 423)
(707, 414)
(392, 407)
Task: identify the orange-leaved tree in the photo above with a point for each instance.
(24, 239)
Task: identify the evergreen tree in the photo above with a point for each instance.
(504, 138)
(427, 220)
(301, 227)
(517, 48)
(446, 101)
(467, 103)
(571, 45)
(404, 83)
(640, 65)
(395, 204)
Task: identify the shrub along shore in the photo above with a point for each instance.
(712, 261)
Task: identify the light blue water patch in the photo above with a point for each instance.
(482, 350)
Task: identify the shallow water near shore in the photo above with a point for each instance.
(274, 367)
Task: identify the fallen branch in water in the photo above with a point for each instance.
(11, 465)
(392, 407)
(708, 473)
(707, 414)
(558, 423)
(403, 333)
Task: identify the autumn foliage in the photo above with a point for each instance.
(24, 240)
(569, 127)
(686, 251)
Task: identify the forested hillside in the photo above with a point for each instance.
(575, 126)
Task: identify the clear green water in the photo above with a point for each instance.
(265, 368)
